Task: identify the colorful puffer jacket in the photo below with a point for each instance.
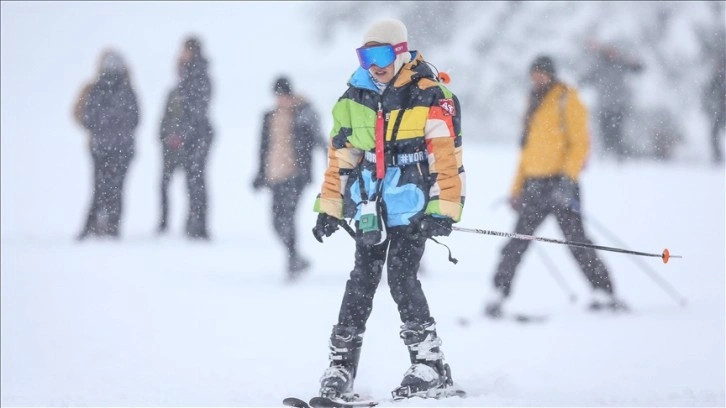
(557, 139)
(424, 173)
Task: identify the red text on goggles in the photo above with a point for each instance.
(380, 55)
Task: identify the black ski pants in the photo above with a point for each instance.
(611, 128)
(172, 160)
(195, 164)
(402, 251)
(110, 167)
(285, 199)
(539, 201)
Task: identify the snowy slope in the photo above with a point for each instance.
(161, 321)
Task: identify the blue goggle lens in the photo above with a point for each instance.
(379, 55)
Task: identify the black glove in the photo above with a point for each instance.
(325, 226)
(431, 226)
(259, 182)
(566, 194)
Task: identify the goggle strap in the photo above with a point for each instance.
(400, 48)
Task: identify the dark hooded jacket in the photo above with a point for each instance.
(111, 112)
(194, 93)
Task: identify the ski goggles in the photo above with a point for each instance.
(380, 55)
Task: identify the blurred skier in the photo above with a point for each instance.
(714, 104)
(108, 109)
(395, 150)
(555, 145)
(186, 135)
(290, 133)
(608, 75)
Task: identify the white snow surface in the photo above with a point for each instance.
(162, 321)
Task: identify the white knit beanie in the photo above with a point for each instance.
(389, 31)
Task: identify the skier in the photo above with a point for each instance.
(395, 152)
(555, 145)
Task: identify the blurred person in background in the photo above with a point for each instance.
(108, 109)
(608, 74)
(554, 149)
(396, 150)
(290, 133)
(186, 136)
(714, 104)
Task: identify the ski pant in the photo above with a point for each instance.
(611, 128)
(402, 251)
(285, 198)
(537, 203)
(109, 173)
(172, 159)
(195, 164)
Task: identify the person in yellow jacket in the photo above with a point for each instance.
(555, 146)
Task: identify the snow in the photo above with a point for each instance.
(162, 321)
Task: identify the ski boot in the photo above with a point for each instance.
(429, 376)
(606, 301)
(493, 307)
(337, 380)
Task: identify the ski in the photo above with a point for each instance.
(523, 318)
(295, 402)
(322, 402)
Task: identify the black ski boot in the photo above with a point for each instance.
(429, 376)
(337, 380)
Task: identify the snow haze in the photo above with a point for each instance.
(164, 321)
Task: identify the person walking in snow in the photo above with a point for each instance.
(608, 74)
(554, 148)
(713, 100)
(186, 135)
(290, 134)
(108, 109)
(396, 152)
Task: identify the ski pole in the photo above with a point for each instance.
(665, 255)
(644, 266)
(550, 266)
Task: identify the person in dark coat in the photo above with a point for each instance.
(290, 133)
(109, 110)
(608, 74)
(714, 104)
(186, 135)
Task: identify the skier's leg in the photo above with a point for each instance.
(347, 336)
(428, 372)
(590, 263)
(404, 256)
(361, 286)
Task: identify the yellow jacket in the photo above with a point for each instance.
(558, 141)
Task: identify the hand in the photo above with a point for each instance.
(566, 194)
(431, 226)
(259, 182)
(515, 203)
(174, 142)
(325, 226)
